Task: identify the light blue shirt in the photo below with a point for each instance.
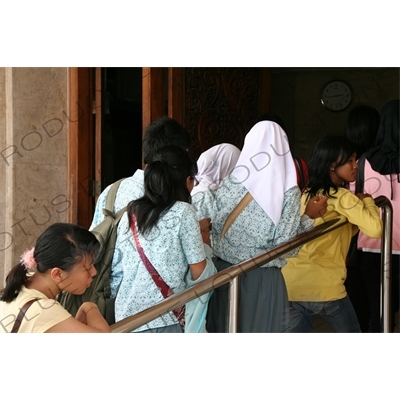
(186, 229)
(130, 189)
(253, 232)
(173, 244)
(203, 202)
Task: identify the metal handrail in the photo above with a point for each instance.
(135, 321)
(232, 273)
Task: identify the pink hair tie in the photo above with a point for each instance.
(28, 260)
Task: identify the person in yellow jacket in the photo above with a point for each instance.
(315, 277)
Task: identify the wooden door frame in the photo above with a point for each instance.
(84, 143)
(175, 93)
(84, 140)
(153, 102)
(80, 146)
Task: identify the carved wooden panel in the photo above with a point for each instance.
(220, 104)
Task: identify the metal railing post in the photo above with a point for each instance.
(233, 305)
(221, 278)
(232, 276)
(386, 265)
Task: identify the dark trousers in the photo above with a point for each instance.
(363, 288)
(262, 302)
(371, 269)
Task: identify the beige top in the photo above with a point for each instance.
(41, 315)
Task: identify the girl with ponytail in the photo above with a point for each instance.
(164, 225)
(62, 259)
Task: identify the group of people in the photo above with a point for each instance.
(188, 219)
(376, 136)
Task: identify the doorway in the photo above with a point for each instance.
(107, 116)
(121, 153)
(106, 133)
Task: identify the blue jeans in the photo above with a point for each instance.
(339, 314)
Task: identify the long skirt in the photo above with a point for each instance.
(262, 302)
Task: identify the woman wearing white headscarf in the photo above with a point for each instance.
(264, 169)
(214, 165)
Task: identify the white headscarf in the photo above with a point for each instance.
(265, 167)
(214, 165)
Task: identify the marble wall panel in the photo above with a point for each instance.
(36, 156)
(40, 116)
(40, 200)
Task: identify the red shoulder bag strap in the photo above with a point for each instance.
(165, 290)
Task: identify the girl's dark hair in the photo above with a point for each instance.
(361, 127)
(163, 132)
(164, 184)
(61, 245)
(329, 149)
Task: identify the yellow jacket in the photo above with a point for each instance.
(318, 271)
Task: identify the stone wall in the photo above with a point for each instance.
(34, 157)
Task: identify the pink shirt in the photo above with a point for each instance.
(381, 185)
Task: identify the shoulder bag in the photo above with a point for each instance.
(21, 315)
(165, 290)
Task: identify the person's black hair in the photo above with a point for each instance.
(164, 184)
(61, 245)
(361, 127)
(163, 132)
(329, 149)
(384, 154)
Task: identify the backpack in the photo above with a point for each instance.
(99, 291)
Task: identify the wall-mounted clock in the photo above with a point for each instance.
(336, 95)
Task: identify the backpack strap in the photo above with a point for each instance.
(360, 174)
(234, 214)
(21, 315)
(116, 217)
(108, 211)
(111, 195)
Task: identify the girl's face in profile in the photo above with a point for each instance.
(191, 182)
(79, 277)
(344, 173)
